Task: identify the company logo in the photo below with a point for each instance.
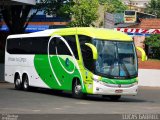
(119, 86)
(67, 62)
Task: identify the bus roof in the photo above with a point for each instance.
(106, 34)
(100, 33)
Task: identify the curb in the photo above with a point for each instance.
(3, 81)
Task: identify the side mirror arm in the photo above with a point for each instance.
(144, 56)
(94, 50)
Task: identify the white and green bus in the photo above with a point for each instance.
(81, 60)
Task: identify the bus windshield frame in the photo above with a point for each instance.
(130, 12)
(119, 59)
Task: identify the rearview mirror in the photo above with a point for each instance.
(94, 50)
(144, 56)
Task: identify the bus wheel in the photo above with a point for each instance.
(25, 83)
(77, 89)
(113, 97)
(17, 82)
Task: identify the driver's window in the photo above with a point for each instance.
(86, 52)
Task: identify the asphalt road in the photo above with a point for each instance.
(47, 102)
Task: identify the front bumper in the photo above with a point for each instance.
(104, 89)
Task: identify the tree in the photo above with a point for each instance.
(60, 8)
(15, 17)
(84, 13)
(153, 7)
(154, 43)
(113, 6)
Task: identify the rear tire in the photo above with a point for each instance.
(25, 83)
(77, 90)
(17, 83)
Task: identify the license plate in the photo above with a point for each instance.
(118, 91)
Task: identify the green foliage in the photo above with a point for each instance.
(153, 7)
(16, 17)
(60, 8)
(65, 9)
(84, 13)
(113, 6)
(154, 42)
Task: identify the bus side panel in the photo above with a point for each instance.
(22, 64)
(57, 71)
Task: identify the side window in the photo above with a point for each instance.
(84, 39)
(39, 45)
(34, 45)
(13, 46)
(26, 46)
(52, 46)
(62, 48)
(86, 52)
(30, 45)
(71, 40)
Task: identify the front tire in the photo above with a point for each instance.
(25, 83)
(77, 90)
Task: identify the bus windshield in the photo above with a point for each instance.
(115, 59)
(130, 12)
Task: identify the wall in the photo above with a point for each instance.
(1, 72)
(149, 77)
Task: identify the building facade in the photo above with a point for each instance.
(137, 5)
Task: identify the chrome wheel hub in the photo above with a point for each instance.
(78, 89)
(25, 84)
(17, 82)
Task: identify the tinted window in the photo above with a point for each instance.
(129, 12)
(35, 45)
(52, 46)
(13, 46)
(72, 43)
(86, 52)
(62, 48)
(39, 45)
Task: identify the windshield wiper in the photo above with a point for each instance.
(125, 69)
